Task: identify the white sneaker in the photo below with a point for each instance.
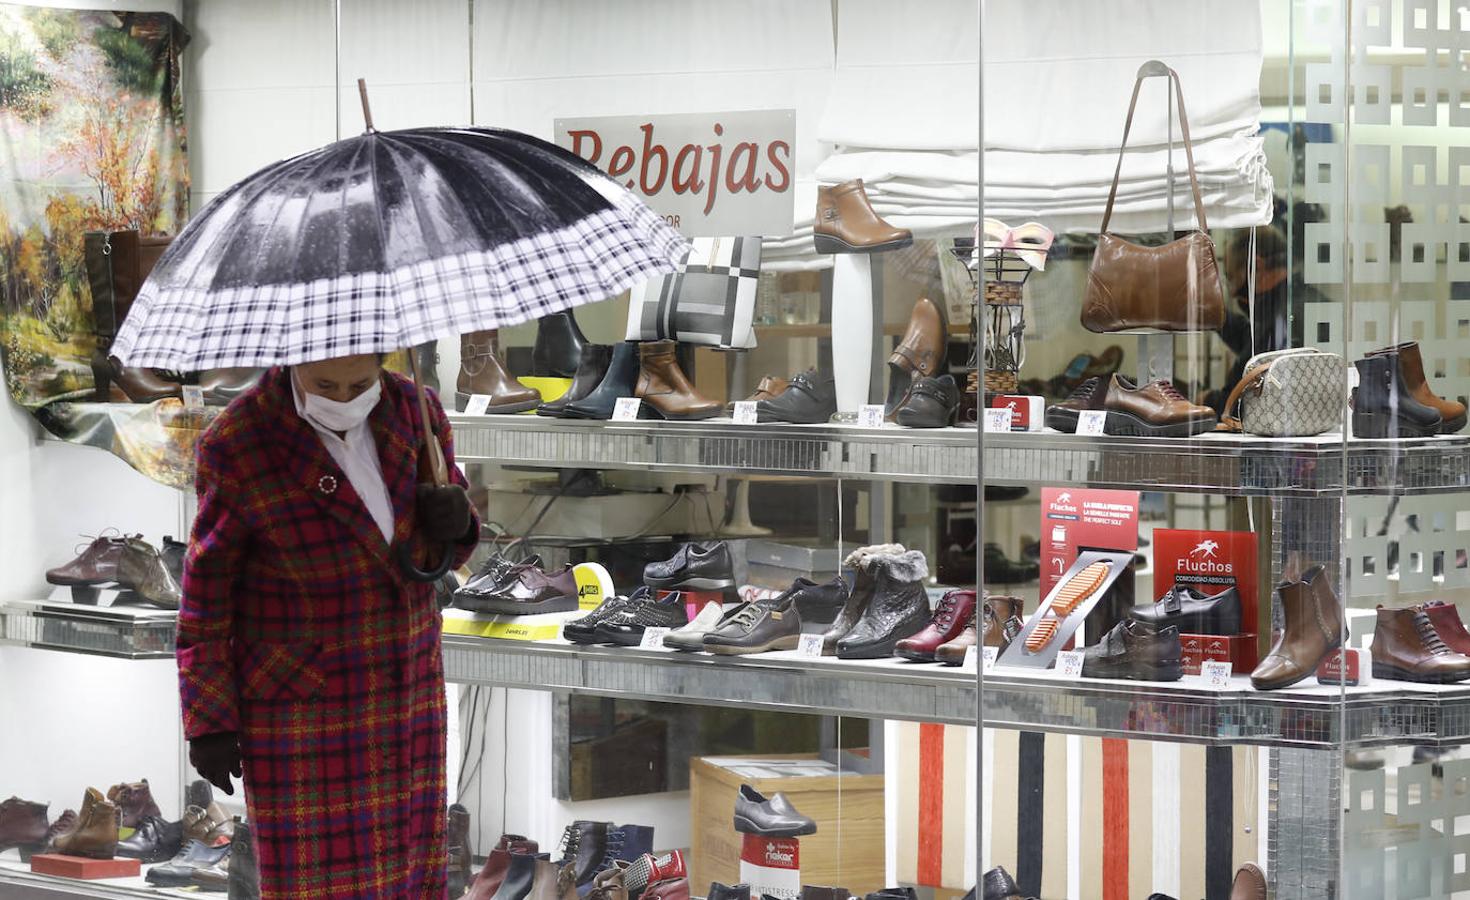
(691, 636)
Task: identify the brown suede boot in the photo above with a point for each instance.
(480, 372)
(664, 389)
(95, 836)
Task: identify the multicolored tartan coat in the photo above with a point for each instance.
(298, 631)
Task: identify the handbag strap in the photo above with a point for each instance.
(1228, 420)
(1199, 203)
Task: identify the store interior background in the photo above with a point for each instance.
(266, 79)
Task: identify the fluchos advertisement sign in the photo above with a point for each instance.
(709, 174)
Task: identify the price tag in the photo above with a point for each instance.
(193, 396)
(1069, 663)
(810, 645)
(1092, 421)
(971, 654)
(870, 415)
(626, 409)
(991, 654)
(745, 412)
(1216, 674)
(653, 637)
(477, 405)
(998, 419)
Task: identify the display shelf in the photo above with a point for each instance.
(1238, 465)
(127, 632)
(18, 881)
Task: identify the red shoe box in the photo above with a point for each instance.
(83, 868)
(1238, 649)
(1359, 668)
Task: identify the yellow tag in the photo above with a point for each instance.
(593, 585)
(509, 630)
(549, 388)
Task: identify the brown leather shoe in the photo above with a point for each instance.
(846, 222)
(996, 614)
(1448, 625)
(608, 884)
(95, 836)
(64, 823)
(1313, 629)
(95, 565)
(1411, 366)
(664, 389)
(23, 824)
(1154, 410)
(135, 801)
(142, 570)
(480, 372)
(1406, 647)
(223, 385)
(1249, 884)
(921, 350)
(769, 388)
(1089, 395)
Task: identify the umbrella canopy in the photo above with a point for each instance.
(388, 240)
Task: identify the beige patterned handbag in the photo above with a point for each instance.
(1288, 393)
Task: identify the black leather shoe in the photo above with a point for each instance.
(520, 875)
(590, 371)
(1135, 651)
(764, 625)
(694, 567)
(495, 575)
(584, 630)
(1384, 407)
(154, 840)
(1193, 612)
(810, 400)
(899, 607)
(719, 891)
(774, 817)
(819, 604)
(559, 345)
(179, 871)
(931, 403)
(620, 380)
(998, 885)
(626, 626)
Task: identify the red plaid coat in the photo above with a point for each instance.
(298, 631)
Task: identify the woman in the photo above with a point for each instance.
(305, 656)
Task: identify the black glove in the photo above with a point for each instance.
(217, 757)
(444, 512)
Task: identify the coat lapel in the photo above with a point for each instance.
(313, 470)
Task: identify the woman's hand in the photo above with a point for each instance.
(444, 512)
(217, 757)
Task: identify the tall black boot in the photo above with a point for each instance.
(1384, 407)
(558, 347)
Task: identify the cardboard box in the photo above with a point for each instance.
(851, 832)
(83, 868)
(1239, 650)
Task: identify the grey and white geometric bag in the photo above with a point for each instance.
(709, 301)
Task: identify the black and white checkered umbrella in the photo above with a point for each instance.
(388, 240)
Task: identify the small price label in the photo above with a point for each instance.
(477, 405)
(810, 646)
(1069, 663)
(1092, 421)
(745, 412)
(971, 654)
(626, 409)
(193, 396)
(1216, 674)
(870, 415)
(990, 655)
(998, 419)
(653, 637)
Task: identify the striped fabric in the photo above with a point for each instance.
(710, 300)
(1068, 816)
(298, 631)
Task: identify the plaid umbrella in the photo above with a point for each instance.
(388, 240)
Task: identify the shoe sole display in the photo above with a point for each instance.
(746, 826)
(463, 400)
(690, 584)
(1042, 634)
(785, 642)
(1378, 425)
(1169, 670)
(517, 608)
(1122, 424)
(826, 243)
(1390, 671)
(1078, 588)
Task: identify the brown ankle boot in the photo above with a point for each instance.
(135, 801)
(553, 882)
(921, 351)
(1411, 366)
(664, 389)
(95, 836)
(480, 372)
(1406, 647)
(846, 222)
(1313, 629)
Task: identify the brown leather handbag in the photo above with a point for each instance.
(1174, 287)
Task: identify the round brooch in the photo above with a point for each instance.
(327, 484)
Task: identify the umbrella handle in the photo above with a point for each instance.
(414, 573)
(433, 469)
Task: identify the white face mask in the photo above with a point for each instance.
(334, 415)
